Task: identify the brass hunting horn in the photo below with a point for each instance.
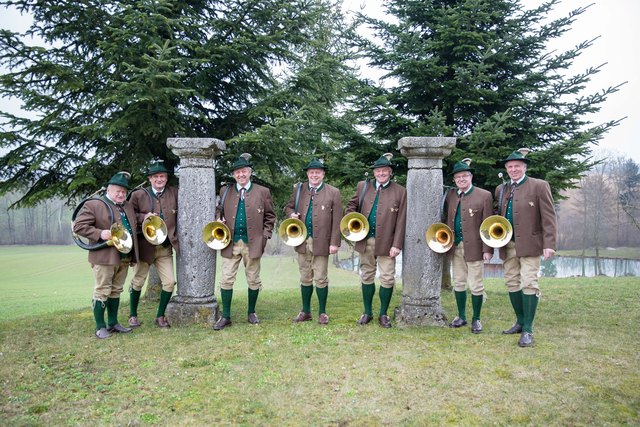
(354, 226)
(120, 238)
(439, 236)
(293, 231)
(216, 234)
(154, 229)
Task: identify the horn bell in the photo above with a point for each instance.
(216, 235)
(293, 232)
(496, 231)
(354, 226)
(154, 230)
(439, 237)
(120, 239)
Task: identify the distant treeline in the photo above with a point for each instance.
(47, 223)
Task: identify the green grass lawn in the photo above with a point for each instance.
(584, 369)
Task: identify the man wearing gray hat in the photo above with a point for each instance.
(528, 205)
(384, 204)
(162, 200)
(467, 207)
(319, 206)
(247, 209)
(94, 222)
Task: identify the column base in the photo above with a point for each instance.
(182, 311)
(420, 315)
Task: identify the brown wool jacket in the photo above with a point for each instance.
(475, 207)
(143, 202)
(534, 217)
(260, 217)
(391, 215)
(95, 217)
(327, 213)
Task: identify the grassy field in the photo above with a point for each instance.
(584, 369)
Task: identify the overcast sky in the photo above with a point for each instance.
(615, 22)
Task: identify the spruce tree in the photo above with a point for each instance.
(116, 78)
(479, 70)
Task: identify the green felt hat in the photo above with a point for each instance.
(242, 162)
(463, 165)
(519, 154)
(121, 178)
(383, 161)
(156, 166)
(315, 164)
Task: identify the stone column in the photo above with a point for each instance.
(421, 267)
(195, 300)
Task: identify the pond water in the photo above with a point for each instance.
(555, 267)
(590, 267)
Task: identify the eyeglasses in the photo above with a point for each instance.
(461, 177)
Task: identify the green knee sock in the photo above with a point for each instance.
(226, 296)
(322, 299)
(306, 292)
(164, 300)
(368, 291)
(253, 298)
(530, 303)
(516, 303)
(461, 302)
(385, 299)
(112, 311)
(98, 313)
(476, 303)
(134, 299)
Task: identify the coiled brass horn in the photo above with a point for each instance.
(293, 232)
(354, 226)
(120, 238)
(216, 235)
(154, 230)
(496, 231)
(439, 237)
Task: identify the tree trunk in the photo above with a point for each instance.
(446, 274)
(154, 286)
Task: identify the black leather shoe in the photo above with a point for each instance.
(118, 328)
(253, 319)
(222, 323)
(384, 321)
(515, 329)
(364, 319)
(476, 326)
(457, 323)
(526, 339)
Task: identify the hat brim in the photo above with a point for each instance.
(502, 163)
(235, 168)
(470, 170)
(149, 173)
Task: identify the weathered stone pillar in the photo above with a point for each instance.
(196, 263)
(421, 267)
